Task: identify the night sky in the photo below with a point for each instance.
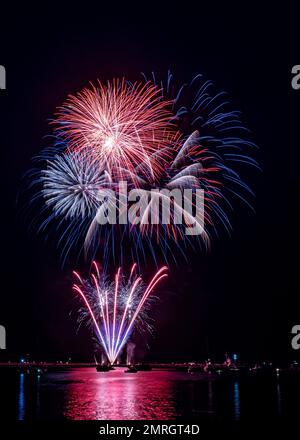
(242, 296)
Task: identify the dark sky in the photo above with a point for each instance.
(243, 296)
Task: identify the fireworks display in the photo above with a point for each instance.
(115, 308)
(153, 137)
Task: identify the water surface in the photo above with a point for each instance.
(84, 394)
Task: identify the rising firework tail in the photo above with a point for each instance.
(115, 308)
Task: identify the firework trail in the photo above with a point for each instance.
(115, 309)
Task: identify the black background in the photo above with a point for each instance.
(243, 296)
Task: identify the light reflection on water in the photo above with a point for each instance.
(85, 394)
(279, 398)
(120, 396)
(236, 400)
(21, 401)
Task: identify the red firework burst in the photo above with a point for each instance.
(120, 125)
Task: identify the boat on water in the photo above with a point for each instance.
(131, 369)
(104, 368)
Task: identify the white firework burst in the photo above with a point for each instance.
(70, 185)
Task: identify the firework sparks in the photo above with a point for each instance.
(192, 167)
(71, 183)
(114, 309)
(211, 155)
(153, 138)
(118, 124)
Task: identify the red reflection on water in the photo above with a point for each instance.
(116, 395)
